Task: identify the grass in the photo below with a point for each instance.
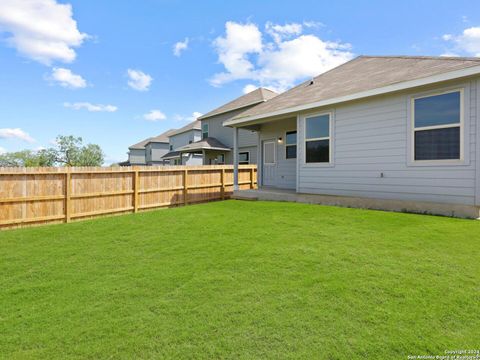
(242, 280)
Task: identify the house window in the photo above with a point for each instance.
(171, 147)
(317, 139)
(291, 145)
(437, 126)
(244, 157)
(221, 159)
(204, 130)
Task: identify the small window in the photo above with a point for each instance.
(244, 157)
(291, 145)
(269, 153)
(171, 147)
(204, 130)
(437, 127)
(221, 159)
(317, 139)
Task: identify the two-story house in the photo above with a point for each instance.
(188, 134)
(150, 150)
(217, 141)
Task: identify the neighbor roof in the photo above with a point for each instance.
(194, 125)
(361, 77)
(208, 143)
(163, 137)
(254, 97)
(171, 155)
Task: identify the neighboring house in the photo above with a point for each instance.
(157, 147)
(149, 151)
(181, 137)
(393, 132)
(216, 142)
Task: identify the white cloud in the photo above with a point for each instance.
(91, 107)
(138, 80)
(468, 42)
(180, 46)
(195, 115)
(2, 150)
(154, 115)
(66, 78)
(277, 64)
(42, 30)
(233, 50)
(249, 88)
(15, 133)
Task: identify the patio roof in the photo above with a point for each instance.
(171, 155)
(209, 143)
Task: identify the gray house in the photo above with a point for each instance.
(150, 151)
(216, 142)
(179, 138)
(396, 133)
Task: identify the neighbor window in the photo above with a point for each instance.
(244, 157)
(204, 131)
(317, 139)
(221, 159)
(437, 126)
(171, 147)
(291, 145)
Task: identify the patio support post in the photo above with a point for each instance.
(235, 158)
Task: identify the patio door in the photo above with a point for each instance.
(269, 163)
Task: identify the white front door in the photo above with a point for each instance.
(269, 163)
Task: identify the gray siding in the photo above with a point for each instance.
(371, 137)
(247, 139)
(154, 153)
(136, 156)
(284, 169)
(184, 138)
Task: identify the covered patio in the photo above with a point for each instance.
(212, 151)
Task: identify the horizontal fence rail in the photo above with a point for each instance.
(31, 196)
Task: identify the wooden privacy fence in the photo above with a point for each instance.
(45, 195)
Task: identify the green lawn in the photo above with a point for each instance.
(242, 280)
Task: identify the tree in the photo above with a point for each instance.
(69, 151)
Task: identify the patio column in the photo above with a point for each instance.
(235, 158)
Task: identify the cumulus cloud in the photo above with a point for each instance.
(66, 78)
(42, 30)
(195, 115)
(138, 80)
(2, 150)
(154, 115)
(15, 133)
(467, 42)
(249, 88)
(91, 107)
(180, 46)
(277, 59)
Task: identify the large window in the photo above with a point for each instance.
(204, 130)
(244, 157)
(291, 145)
(317, 139)
(437, 123)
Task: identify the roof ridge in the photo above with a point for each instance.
(422, 57)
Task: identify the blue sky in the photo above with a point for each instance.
(64, 70)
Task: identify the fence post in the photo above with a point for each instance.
(68, 190)
(252, 183)
(135, 184)
(185, 187)
(222, 191)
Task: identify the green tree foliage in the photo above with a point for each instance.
(69, 151)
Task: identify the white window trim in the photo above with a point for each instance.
(274, 152)
(413, 129)
(286, 145)
(330, 138)
(244, 162)
(203, 132)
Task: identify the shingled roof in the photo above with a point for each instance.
(209, 143)
(194, 125)
(359, 75)
(254, 97)
(162, 138)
